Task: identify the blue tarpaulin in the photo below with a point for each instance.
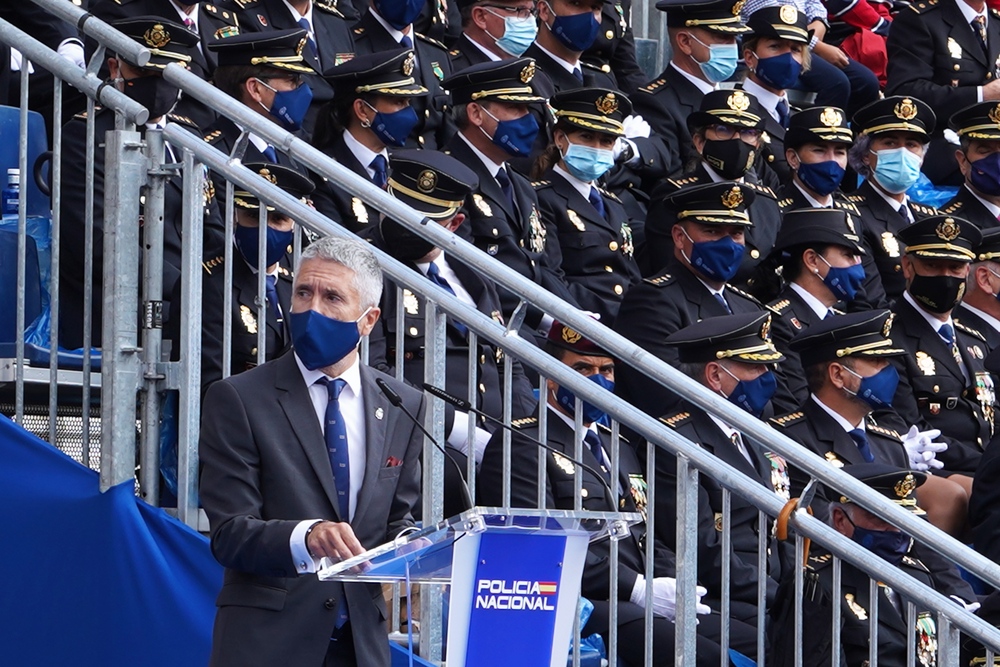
(91, 578)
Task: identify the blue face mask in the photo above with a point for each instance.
(515, 137)
(290, 106)
(753, 395)
(890, 545)
(518, 34)
(716, 260)
(591, 413)
(876, 390)
(247, 238)
(779, 72)
(577, 32)
(588, 163)
(722, 60)
(985, 175)
(844, 281)
(399, 13)
(823, 178)
(392, 129)
(322, 341)
(897, 169)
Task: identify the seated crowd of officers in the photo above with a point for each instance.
(772, 254)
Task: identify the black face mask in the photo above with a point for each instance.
(732, 158)
(154, 93)
(938, 294)
(403, 244)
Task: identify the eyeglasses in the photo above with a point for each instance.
(726, 132)
(519, 12)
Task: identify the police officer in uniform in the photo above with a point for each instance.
(629, 491)
(384, 28)
(693, 284)
(946, 53)
(980, 307)
(881, 128)
(371, 111)
(559, 46)
(856, 605)
(731, 355)
(614, 46)
(437, 185)
(493, 30)
(978, 156)
(595, 238)
(816, 144)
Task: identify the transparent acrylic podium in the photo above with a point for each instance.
(514, 577)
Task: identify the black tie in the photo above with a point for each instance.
(504, 180)
(598, 202)
(378, 165)
(594, 442)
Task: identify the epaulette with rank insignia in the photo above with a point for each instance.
(538, 185)
(924, 210)
(855, 198)
(780, 306)
(684, 182)
(820, 561)
(607, 429)
(784, 203)
(124, 2)
(881, 430)
(676, 420)
(761, 190)
(328, 7)
(597, 68)
(220, 13)
(245, 3)
(995, 12)
(610, 195)
(454, 53)
(182, 120)
(952, 208)
(651, 87)
(360, 30)
(747, 295)
(846, 206)
(526, 422)
(969, 330)
(915, 563)
(212, 136)
(789, 419)
(925, 6)
(210, 264)
(431, 40)
(660, 280)
(82, 115)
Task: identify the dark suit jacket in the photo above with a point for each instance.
(966, 205)
(264, 469)
(335, 202)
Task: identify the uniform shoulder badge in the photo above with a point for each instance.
(762, 189)
(431, 40)
(953, 207)
(787, 420)
(683, 182)
(881, 430)
(923, 210)
(607, 429)
(746, 295)
(673, 421)
(659, 280)
(210, 264)
(328, 7)
(538, 185)
(819, 561)
(785, 203)
(182, 120)
(243, 4)
(915, 563)
(454, 53)
(249, 321)
(855, 198)
(360, 30)
(651, 87)
(969, 330)
(780, 306)
(610, 195)
(524, 423)
(213, 136)
(924, 6)
(846, 206)
(858, 610)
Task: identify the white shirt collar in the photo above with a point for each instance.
(989, 319)
(395, 34)
(257, 142)
(704, 86)
(970, 14)
(723, 426)
(888, 198)
(582, 187)
(837, 417)
(364, 154)
(492, 166)
(193, 16)
(567, 65)
(711, 289)
(489, 54)
(767, 99)
(569, 420)
(934, 322)
(308, 16)
(990, 206)
(809, 198)
(811, 301)
(352, 376)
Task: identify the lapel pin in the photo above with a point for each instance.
(379, 413)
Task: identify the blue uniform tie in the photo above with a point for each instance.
(783, 112)
(947, 334)
(861, 440)
(304, 24)
(378, 165)
(578, 73)
(594, 442)
(270, 154)
(508, 190)
(597, 201)
(335, 434)
(271, 285)
(434, 273)
(406, 42)
(722, 301)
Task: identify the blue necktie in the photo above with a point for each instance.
(597, 201)
(435, 275)
(947, 334)
(406, 42)
(271, 285)
(861, 440)
(504, 180)
(378, 165)
(335, 434)
(722, 301)
(783, 112)
(270, 154)
(594, 442)
(578, 73)
(304, 24)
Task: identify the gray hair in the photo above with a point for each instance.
(354, 255)
(857, 154)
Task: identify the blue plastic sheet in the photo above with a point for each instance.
(91, 578)
(928, 194)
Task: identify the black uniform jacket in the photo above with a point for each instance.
(665, 103)
(966, 205)
(333, 201)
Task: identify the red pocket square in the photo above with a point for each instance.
(392, 462)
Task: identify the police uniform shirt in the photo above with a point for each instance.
(837, 417)
(190, 21)
(981, 321)
(486, 52)
(364, 154)
(704, 86)
(902, 208)
(569, 421)
(308, 16)
(397, 34)
(813, 202)
(565, 64)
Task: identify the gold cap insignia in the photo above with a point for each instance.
(948, 230)
(887, 326)
(906, 110)
(831, 117)
(157, 36)
(738, 7)
(788, 14)
(409, 63)
(765, 330)
(905, 487)
(995, 114)
(528, 73)
(738, 101)
(732, 198)
(607, 104)
(268, 176)
(570, 336)
(427, 181)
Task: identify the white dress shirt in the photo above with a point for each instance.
(815, 304)
(565, 64)
(734, 436)
(767, 99)
(815, 203)
(364, 154)
(704, 86)
(583, 187)
(839, 418)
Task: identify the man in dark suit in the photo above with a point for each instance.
(978, 156)
(145, 85)
(731, 355)
(493, 30)
(377, 32)
(371, 111)
(881, 129)
(693, 285)
(629, 491)
(703, 53)
(945, 53)
(980, 307)
(282, 490)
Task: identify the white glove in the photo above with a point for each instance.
(922, 450)
(665, 596)
(72, 50)
(621, 145)
(458, 437)
(951, 137)
(635, 127)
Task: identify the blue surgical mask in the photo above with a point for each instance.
(515, 137)
(985, 175)
(322, 341)
(399, 13)
(290, 106)
(779, 72)
(247, 238)
(823, 178)
(876, 390)
(393, 128)
(897, 169)
(752, 395)
(518, 34)
(844, 281)
(716, 260)
(577, 32)
(890, 545)
(588, 163)
(591, 413)
(722, 60)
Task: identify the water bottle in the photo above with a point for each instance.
(11, 197)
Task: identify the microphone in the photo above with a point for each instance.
(397, 402)
(463, 404)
